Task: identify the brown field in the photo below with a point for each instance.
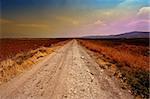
(18, 55)
(10, 47)
(126, 61)
(126, 53)
(131, 59)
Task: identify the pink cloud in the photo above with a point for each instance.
(99, 22)
(140, 25)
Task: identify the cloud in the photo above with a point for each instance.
(134, 23)
(32, 25)
(140, 24)
(75, 22)
(144, 11)
(14, 23)
(68, 19)
(99, 22)
(125, 2)
(130, 4)
(6, 21)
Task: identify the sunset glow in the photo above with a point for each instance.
(72, 18)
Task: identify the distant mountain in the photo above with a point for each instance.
(135, 34)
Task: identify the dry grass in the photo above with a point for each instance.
(130, 62)
(10, 47)
(122, 54)
(13, 66)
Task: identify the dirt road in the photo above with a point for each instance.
(68, 73)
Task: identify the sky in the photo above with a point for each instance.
(72, 18)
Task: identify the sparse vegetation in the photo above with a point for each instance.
(12, 66)
(10, 47)
(130, 59)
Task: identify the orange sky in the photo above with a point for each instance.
(70, 18)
